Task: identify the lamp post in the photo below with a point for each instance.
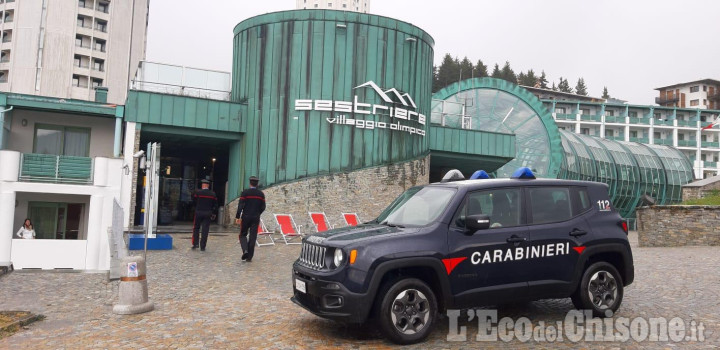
(212, 175)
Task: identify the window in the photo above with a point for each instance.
(57, 220)
(76, 80)
(609, 133)
(418, 206)
(609, 113)
(96, 82)
(634, 133)
(656, 135)
(501, 205)
(551, 204)
(100, 45)
(560, 110)
(585, 111)
(632, 114)
(83, 22)
(99, 65)
(61, 140)
(681, 137)
(585, 131)
(703, 138)
(344, 5)
(101, 26)
(77, 61)
(704, 102)
(704, 87)
(103, 7)
(81, 3)
(329, 4)
(78, 40)
(695, 88)
(694, 102)
(3, 76)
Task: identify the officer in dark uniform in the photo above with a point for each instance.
(205, 205)
(251, 205)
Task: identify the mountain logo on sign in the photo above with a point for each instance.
(404, 99)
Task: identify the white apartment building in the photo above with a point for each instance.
(691, 130)
(342, 5)
(66, 48)
(702, 94)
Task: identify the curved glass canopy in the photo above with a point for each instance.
(630, 169)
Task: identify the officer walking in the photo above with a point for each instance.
(206, 203)
(251, 205)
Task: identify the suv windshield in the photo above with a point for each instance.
(418, 206)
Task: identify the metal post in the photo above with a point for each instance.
(2, 125)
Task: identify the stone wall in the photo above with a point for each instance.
(678, 225)
(365, 192)
(701, 189)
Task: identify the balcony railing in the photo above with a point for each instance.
(686, 123)
(620, 120)
(710, 164)
(666, 100)
(83, 45)
(665, 142)
(565, 116)
(714, 97)
(687, 143)
(56, 169)
(664, 122)
(592, 118)
(83, 25)
(640, 139)
(709, 144)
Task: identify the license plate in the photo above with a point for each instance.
(300, 286)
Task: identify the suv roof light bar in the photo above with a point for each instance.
(453, 175)
(479, 175)
(523, 173)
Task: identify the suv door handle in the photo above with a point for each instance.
(577, 233)
(516, 239)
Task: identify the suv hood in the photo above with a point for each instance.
(345, 235)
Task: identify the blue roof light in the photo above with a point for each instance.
(480, 174)
(523, 173)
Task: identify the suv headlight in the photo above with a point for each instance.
(338, 257)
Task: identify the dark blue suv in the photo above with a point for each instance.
(469, 243)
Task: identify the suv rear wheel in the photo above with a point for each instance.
(407, 311)
(600, 290)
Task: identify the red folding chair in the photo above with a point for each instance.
(321, 222)
(288, 228)
(263, 232)
(351, 219)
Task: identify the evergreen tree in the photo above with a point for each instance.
(496, 72)
(466, 68)
(543, 81)
(522, 79)
(580, 88)
(564, 86)
(508, 74)
(605, 94)
(554, 88)
(532, 79)
(448, 72)
(481, 70)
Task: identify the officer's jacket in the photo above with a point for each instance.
(251, 205)
(206, 200)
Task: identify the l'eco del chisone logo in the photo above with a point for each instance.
(397, 106)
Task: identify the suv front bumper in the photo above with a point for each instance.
(329, 299)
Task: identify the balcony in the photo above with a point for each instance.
(709, 144)
(616, 138)
(666, 142)
(565, 116)
(710, 165)
(714, 97)
(666, 122)
(640, 139)
(666, 100)
(687, 143)
(183, 81)
(590, 118)
(614, 119)
(56, 169)
(687, 123)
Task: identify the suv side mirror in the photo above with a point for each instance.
(477, 222)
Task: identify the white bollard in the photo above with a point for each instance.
(133, 288)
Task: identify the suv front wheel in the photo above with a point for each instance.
(407, 310)
(600, 290)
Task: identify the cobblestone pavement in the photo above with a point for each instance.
(212, 300)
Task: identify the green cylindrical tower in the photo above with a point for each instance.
(330, 91)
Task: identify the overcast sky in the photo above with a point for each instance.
(630, 46)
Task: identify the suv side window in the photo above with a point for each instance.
(580, 199)
(549, 204)
(501, 205)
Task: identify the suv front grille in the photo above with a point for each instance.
(312, 256)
